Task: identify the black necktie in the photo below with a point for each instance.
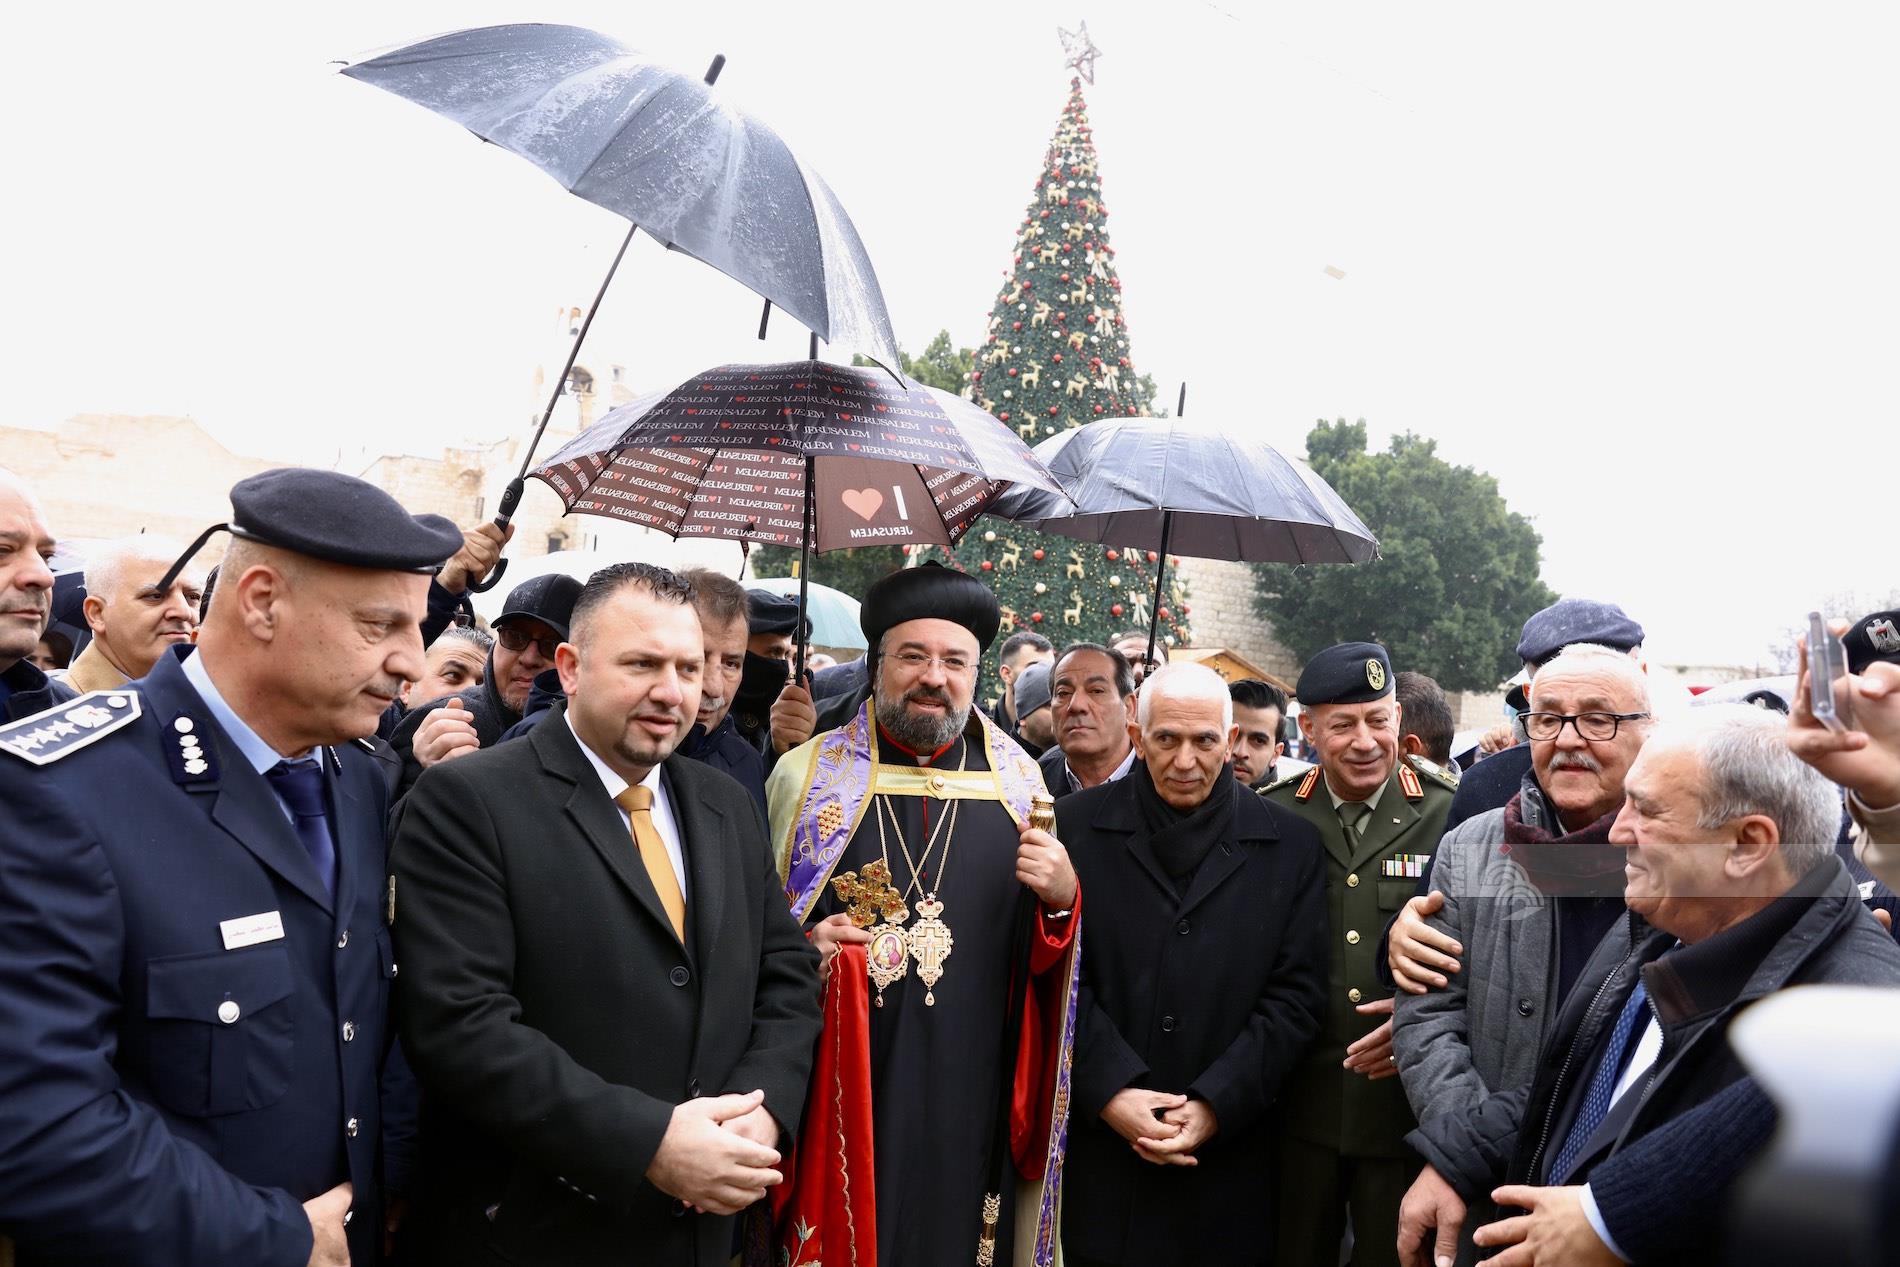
(300, 785)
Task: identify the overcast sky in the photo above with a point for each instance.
(1637, 261)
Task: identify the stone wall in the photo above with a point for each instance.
(1221, 614)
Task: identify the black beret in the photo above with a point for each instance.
(1569, 621)
(1871, 638)
(930, 592)
(548, 599)
(1345, 673)
(340, 519)
(772, 614)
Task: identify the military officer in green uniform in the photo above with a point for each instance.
(1379, 816)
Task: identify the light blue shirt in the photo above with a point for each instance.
(258, 754)
(1597, 1225)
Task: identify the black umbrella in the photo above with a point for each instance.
(657, 147)
(799, 453)
(1169, 484)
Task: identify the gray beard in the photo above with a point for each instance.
(917, 732)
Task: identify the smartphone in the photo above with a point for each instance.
(1829, 695)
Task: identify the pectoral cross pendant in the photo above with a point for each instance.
(930, 944)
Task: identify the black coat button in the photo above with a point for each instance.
(1167, 1024)
(692, 1088)
(679, 976)
(1525, 1007)
(1181, 928)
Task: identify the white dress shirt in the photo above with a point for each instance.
(663, 820)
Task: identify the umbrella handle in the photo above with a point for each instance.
(510, 501)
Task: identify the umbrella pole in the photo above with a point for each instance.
(511, 496)
(1161, 570)
(804, 568)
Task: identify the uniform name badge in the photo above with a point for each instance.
(249, 930)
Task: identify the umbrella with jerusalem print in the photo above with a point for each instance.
(800, 453)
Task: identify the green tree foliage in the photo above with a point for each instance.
(1056, 356)
(1457, 576)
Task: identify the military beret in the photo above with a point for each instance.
(548, 599)
(1569, 621)
(340, 519)
(330, 516)
(1871, 638)
(772, 614)
(1345, 673)
(930, 592)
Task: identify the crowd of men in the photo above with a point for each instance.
(339, 927)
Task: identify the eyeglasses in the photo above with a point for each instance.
(917, 662)
(1545, 727)
(516, 638)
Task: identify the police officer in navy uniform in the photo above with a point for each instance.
(1379, 816)
(195, 966)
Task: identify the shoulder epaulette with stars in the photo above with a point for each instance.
(1435, 772)
(1287, 781)
(65, 728)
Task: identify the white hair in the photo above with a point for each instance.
(1591, 657)
(105, 566)
(1185, 681)
(1747, 768)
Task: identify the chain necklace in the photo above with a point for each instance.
(929, 940)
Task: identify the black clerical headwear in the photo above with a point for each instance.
(930, 592)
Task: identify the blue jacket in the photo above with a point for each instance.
(25, 690)
(166, 1096)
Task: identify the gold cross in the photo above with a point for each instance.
(870, 897)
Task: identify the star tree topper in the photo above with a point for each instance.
(1080, 50)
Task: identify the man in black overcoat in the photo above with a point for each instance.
(1202, 986)
(611, 1007)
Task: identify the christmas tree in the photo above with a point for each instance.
(1056, 356)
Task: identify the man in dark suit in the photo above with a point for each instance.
(1201, 990)
(605, 997)
(194, 970)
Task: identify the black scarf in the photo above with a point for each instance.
(1182, 840)
(1582, 863)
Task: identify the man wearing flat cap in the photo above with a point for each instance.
(948, 926)
(196, 964)
(532, 624)
(1379, 816)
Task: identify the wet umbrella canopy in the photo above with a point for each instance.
(801, 453)
(659, 148)
(1173, 485)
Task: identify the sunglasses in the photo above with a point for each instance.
(516, 638)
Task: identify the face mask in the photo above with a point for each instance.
(760, 683)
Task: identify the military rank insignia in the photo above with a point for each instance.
(1404, 866)
(65, 728)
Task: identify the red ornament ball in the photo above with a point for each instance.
(1090, 318)
(1065, 277)
(1152, 556)
(1039, 556)
(1052, 411)
(1012, 371)
(1015, 325)
(1166, 614)
(1062, 316)
(987, 565)
(1115, 610)
(1113, 555)
(1186, 610)
(1004, 416)
(1057, 358)
(1036, 617)
(1045, 215)
(1098, 409)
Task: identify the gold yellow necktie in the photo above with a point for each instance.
(638, 802)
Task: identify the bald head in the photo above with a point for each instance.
(26, 580)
